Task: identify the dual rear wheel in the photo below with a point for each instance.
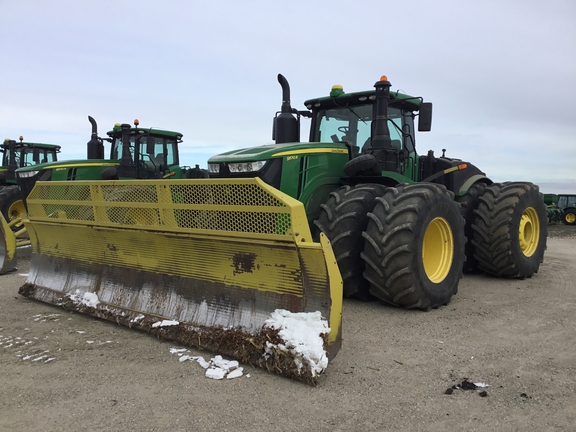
(408, 245)
(403, 245)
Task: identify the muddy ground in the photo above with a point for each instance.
(64, 371)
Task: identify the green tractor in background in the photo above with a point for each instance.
(135, 153)
(561, 208)
(403, 226)
(15, 155)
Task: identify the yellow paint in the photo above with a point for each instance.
(17, 210)
(529, 231)
(7, 246)
(438, 250)
(95, 164)
(311, 150)
(336, 290)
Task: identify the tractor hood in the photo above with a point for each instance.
(272, 151)
(68, 164)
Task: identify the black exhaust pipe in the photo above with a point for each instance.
(12, 165)
(381, 135)
(381, 148)
(286, 126)
(95, 145)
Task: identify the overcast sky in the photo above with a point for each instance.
(501, 74)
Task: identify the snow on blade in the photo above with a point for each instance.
(302, 336)
(87, 299)
(137, 318)
(165, 323)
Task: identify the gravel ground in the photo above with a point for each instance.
(392, 373)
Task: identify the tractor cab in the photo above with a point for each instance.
(19, 154)
(145, 153)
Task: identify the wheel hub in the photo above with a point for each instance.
(438, 250)
(529, 232)
(17, 210)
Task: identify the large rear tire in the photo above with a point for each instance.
(342, 219)
(414, 246)
(468, 203)
(510, 230)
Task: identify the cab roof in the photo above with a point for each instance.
(339, 99)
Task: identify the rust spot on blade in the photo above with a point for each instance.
(243, 262)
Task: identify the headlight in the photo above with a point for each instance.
(246, 166)
(27, 174)
(214, 168)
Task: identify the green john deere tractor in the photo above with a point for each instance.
(19, 154)
(398, 221)
(283, 228)
(561, 208)
(135, 153)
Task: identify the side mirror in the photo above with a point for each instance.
(425, 117)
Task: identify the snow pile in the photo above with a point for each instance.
(217, 368)
(165, 323)
(301, 333)
(137, 318)
(87, 299)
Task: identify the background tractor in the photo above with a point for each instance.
(19, 154)
(561, 207)
(135, 153)
(398, 221)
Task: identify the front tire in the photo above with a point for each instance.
(342, 219)
(510, 230)
(12, 203)
(414, 246)
(569, 217)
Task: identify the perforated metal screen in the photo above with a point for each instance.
(232, 206)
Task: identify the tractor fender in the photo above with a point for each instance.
(471, 181)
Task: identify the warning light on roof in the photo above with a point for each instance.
(136, 122)
(337, 90)
(21, 138)
(383, 78)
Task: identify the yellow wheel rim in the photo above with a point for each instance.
(17, 210)
(570, 218)
(438, 250)
(529, 232)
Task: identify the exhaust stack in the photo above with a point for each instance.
(286, 126)
(95, 146)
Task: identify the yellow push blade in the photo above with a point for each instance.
(8, 258)
(222, 265)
